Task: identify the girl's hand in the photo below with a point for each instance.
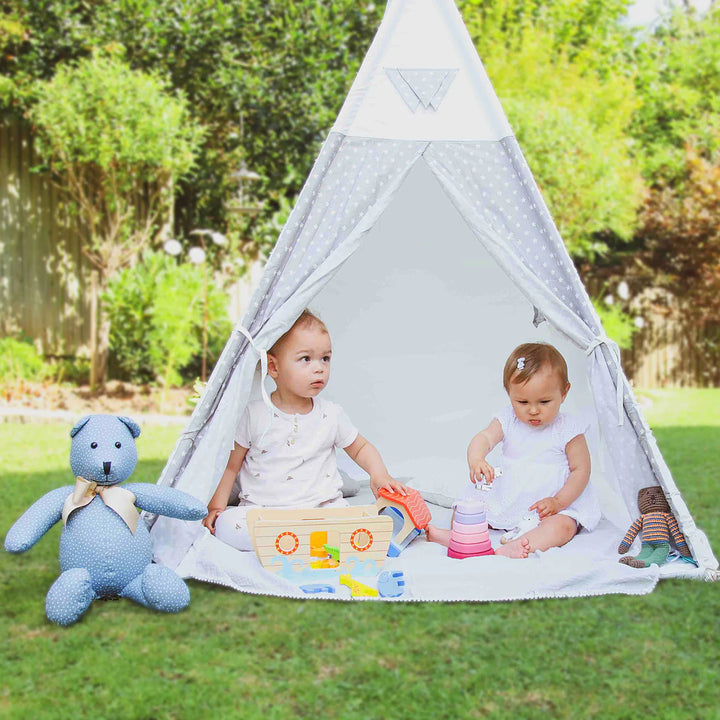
(385, 481)
(546, 507)
(480, 468)
(211, 517)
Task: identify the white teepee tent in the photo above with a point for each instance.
(421, 239)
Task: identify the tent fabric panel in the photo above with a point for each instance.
(497, 182)
(426, 34)
(552, 284)
(348, 177)
(348, 194)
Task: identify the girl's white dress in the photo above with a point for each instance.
(534, 466)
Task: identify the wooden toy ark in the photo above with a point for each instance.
(336, 538)
(409, 513)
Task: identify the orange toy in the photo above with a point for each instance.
(409, 513)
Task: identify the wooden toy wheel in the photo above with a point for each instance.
(287, 543)
(361, 540)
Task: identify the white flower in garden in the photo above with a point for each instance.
(218, 238)
(639, 322)
(623, 290)
(172, 247)
(196, 255)
(609, 300)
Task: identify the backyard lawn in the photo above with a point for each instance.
(233, 655)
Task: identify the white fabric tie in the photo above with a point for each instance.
(615, 352)
(262, 354)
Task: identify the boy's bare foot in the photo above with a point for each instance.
(438, 535)
(517, 549)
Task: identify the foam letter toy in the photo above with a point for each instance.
(104, 550)
(391, 584)
(357, 589)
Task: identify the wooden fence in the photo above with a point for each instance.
(43, 289)
(669, 351)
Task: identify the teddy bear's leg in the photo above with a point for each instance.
(659, 554)
(69, 597)
(632, 562)
(158, 588)
(649, 554)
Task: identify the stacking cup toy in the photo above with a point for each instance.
(469, 535)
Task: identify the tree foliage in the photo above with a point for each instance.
(680, 238)
(678, 81)
(603, 116)
(569, 113)
(117, 142)
(284, 67)
(676, 130)
(574, 29)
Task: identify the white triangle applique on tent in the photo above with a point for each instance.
(421, 86)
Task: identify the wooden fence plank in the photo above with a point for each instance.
(42, 266)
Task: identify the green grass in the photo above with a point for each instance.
(233, 655)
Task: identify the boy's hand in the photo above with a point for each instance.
(546, 507)
(211, 517)
(385, 481)
(480, 468)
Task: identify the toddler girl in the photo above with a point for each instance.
(286, 456)
(545, 463)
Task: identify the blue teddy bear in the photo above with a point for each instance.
(104, 550)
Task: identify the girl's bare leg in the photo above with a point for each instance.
(438, 535)
(441, 536)
(554, 531)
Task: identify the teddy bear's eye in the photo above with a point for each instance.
(93, 445)
(118, 445)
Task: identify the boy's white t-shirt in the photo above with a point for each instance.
(291, 457)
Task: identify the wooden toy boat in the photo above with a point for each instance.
(356, 532)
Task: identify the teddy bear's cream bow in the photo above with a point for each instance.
(119, 499)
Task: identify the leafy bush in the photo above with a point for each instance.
(117, 140)
(156, 313)
(618, 325)
(19, 360)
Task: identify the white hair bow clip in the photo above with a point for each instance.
(521, 363)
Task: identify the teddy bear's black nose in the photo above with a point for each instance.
(106, 467)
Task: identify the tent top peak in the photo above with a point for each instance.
(422, 79)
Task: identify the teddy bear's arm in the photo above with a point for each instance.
(630, 536)
(167, 501)
(36, 520)
(678, 537)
